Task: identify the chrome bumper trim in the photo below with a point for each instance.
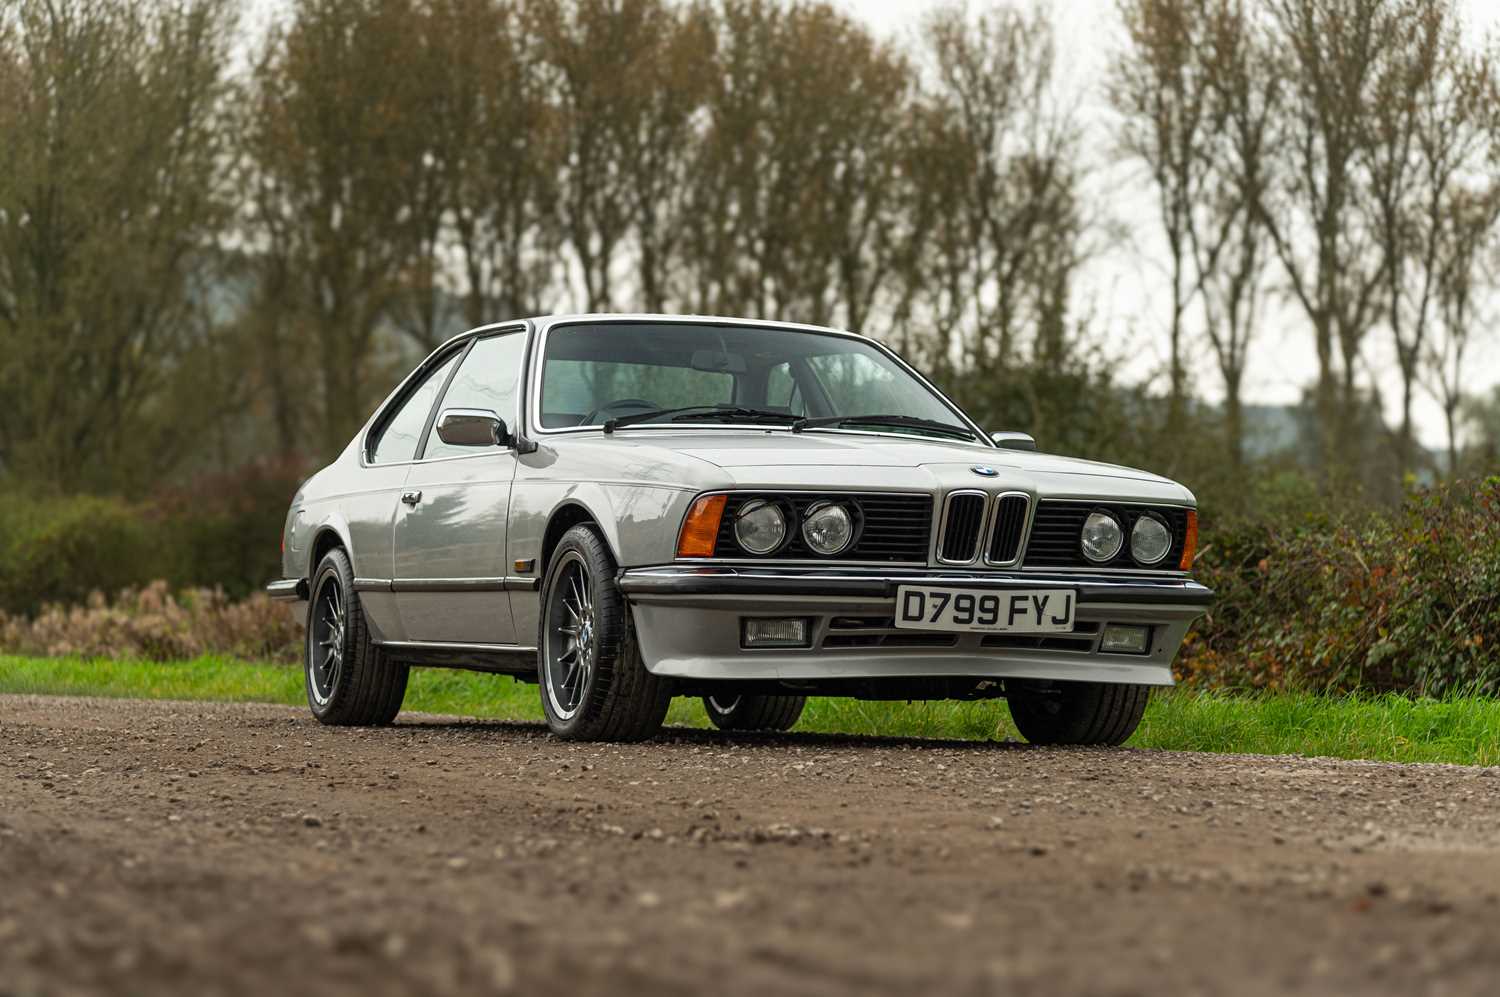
(713, 580)
(288, 589)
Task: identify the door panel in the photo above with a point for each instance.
(450, 551)
(371, 515)
(450, 564)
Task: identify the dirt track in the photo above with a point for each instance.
(155, 847)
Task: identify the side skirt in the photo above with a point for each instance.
(497, 659)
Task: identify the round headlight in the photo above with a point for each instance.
(1150, 540)
(1102, 537)
(828, 528)
(760, 526)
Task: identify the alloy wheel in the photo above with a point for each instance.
(572, 636)
(325, 659)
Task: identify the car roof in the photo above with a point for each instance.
(546, 321)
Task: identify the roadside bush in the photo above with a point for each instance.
(152, 624)
(1405, 600)
(219, 531)
(223, 530)
(59, 551)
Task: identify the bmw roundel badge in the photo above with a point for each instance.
(983, 471)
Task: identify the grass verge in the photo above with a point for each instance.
(1388, 728)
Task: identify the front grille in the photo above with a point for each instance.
(893, 528)
(1010, 526)
(1057, 527)
(961, 528)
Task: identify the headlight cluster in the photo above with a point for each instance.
(761, 527)
(1103, 538)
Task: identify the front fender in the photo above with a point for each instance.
(639, 522)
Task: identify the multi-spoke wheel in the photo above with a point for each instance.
(325, 659)
(594, 685)
(571, 637)
(350, 681)
(730, 711)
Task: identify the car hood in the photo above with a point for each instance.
(829, 460)
(831, 450)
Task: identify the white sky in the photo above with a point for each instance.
(1125, 288)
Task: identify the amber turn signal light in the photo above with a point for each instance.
(1190, 542)
(700, 531)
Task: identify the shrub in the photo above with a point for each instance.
(1404, 600)
(223, 530)
(151, 624)
(219, 531)
(58, 551)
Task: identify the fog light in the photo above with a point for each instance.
(1120, 639)
(775, 633)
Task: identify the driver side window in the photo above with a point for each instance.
(488, 379)
(398, 438)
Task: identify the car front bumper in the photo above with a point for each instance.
(689, 617)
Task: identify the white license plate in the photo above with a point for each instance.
(1025, 611)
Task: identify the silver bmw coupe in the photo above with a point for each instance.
(625, 509)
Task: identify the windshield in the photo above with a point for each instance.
(623, 372)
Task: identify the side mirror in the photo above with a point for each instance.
(1013, 441)
(472, 427)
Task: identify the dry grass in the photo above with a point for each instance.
(153, 624)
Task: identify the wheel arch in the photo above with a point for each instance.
(567, 515)
(326, 538)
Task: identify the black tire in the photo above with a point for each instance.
(611, 695)
(730, 712)
(1076, 712)
(366, 687)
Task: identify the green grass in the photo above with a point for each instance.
(1389, 728)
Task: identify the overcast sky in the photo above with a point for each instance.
(1125, 288)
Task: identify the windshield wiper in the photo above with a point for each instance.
(716, 412)
(907, 421)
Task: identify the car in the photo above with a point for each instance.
(628, 508)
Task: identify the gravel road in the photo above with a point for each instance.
(150, 847)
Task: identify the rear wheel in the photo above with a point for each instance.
(730, 712)
(1076, 712)
(350, 681)
(595, 687)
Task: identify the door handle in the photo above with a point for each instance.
(411, 498)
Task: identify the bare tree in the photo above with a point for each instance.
(497, 140)
(337, 138)
(1465, 265)
(113, 158)
(1333, 55)
(606, 57)
(1160, 86)
(797, 186)
(1012, 234)
(1425, 135)
(1230, 247)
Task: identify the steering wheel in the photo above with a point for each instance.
(639, 404)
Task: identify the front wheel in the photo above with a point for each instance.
(731, 712)
(1076, 712)
(595, 687)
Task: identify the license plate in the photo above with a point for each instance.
(1026, 611)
